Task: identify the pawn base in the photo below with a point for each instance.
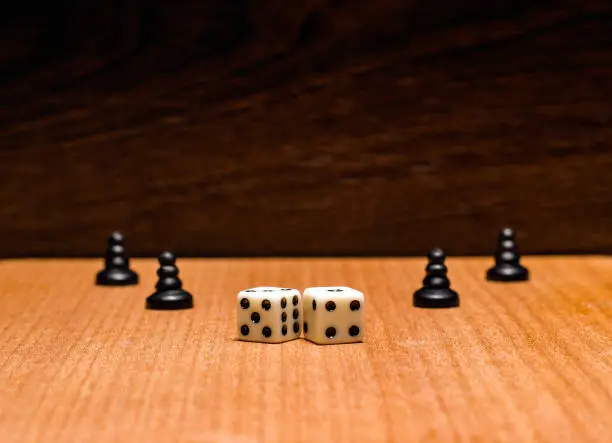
(116, 277)
(170, 300)
(508, 273)
(435, 298)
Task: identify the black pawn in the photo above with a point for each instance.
(170, 294)
(436, 291)
(507, 267)
(116, 270)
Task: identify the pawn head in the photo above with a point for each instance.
(436, 255)
(506, 234)
(166, 259)
(116, 238)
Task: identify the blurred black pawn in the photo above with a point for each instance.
(507, 267)
(170, 293)
(436, 292)
(116, 270)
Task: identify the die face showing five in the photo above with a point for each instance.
(333, 315)
(269, 314)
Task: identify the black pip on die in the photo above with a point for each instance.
(269, 314)
(333, 315)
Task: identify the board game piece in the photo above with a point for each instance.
(507, 267)
(436, 291)
(170, 294)
(269, 314)
(116, 270)
(333, 315)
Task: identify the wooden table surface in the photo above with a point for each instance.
(526, 362)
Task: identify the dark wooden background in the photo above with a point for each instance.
(253, 127)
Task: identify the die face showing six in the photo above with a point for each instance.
(333, 315)
(269, 314)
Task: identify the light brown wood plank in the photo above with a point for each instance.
(528, 362)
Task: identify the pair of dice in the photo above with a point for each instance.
(326, 315)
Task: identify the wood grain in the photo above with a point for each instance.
(529, 362)
(253, 127)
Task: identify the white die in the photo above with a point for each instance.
(269, 314)
(333, 315)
